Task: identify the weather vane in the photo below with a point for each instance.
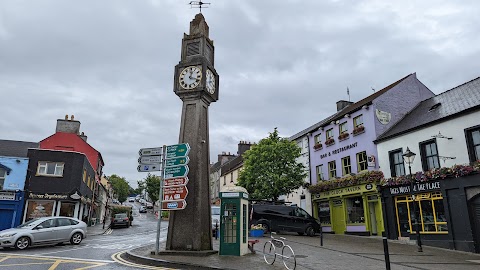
(198, 4)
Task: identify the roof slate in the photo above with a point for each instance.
(15, 148)
(452, 102)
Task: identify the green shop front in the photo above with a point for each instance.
(350, 210)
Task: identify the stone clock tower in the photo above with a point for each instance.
(196, 83)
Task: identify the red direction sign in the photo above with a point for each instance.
(182, 181)
(175, 205)
(175, 193)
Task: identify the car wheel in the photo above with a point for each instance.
(310, 231)
(266, 228)
(76, 238)
(22, 243)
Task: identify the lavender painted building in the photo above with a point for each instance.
(342, 145)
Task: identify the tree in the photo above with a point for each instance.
(270, 168)
(152, 185)
(120, 186)
(140, 188)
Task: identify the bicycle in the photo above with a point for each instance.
(270, 254)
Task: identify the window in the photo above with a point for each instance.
(300, 144)
(332, 170)
(362, 163)
(3, 175)
(319, 173)
(50, 223)
(67, 209)
(430, 211)
(397, 167)
(50, 168)
(324, 213)
(317, 139)
(84, 175)
(473, 144)
(358, 121)
(63, 222)
(355, 211)
(329, 133)
(231, 177)
(88, 182)
(429, 155)
(343, 128)
(346, 166)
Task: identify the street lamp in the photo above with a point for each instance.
(408, 157)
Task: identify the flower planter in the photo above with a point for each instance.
(343, 136)
(256, 233)
(318, 146)
(329, 142)
(358, 130)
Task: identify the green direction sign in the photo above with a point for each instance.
(178, 150)
(177, 161)
(174, 172)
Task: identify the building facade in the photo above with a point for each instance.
(13, 171)
(444, 133)
(342, 147)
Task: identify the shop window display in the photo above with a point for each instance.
(67, 209)
(37, 209)
(324, 213)
(355, 210)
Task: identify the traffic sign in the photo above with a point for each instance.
(174, 172)
(151, 151)
(177, 161)
(178, 150)
(175, 205)
(175, 193)
(149, 167)
(182, 181)
(150, 159)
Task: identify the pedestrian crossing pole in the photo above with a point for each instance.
(160, 200)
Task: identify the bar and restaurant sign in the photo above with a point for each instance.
(418, 187)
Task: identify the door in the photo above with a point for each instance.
(230, 229)
(6, 219)
(338, 217)
(44, 232)
(63, 229)
(475, 218)
(373, 218)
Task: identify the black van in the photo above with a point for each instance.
(284, 218)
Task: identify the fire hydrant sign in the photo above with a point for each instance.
(175, 193)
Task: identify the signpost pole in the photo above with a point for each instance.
(160, 201)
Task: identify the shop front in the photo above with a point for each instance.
(11, 206)
(447, 212)
(350, 210)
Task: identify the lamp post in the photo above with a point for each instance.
(408, 157)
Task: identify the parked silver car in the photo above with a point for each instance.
(215, 217)
(44, 231)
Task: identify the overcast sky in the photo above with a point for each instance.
(281, 64)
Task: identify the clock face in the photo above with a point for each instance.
(210, 82)
(190, 77)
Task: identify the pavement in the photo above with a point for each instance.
(98, 229)
(337, 252)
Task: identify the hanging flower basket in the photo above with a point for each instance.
(318, 146)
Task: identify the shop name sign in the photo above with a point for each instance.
(47, 196)
(416, 188)
(339, 150)
(347, 190)
(8, 196)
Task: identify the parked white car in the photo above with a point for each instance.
(44, 231)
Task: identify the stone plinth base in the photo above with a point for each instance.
(192, 253)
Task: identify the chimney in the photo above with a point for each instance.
(243, 146)
(83, 136)
(68, 126)
(342, 104)
(224, 157)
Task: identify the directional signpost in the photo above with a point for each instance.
(151, 151)
(174, 172)
(150, 159)
(178, 150)
(172, 182)
(175, 193)
(174, 205)
(149, 168)
(177, 161)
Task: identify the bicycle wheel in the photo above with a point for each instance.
(288, 257)
(269, 254)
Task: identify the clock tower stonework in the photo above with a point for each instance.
(196, 83)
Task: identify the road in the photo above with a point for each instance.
(95, 252)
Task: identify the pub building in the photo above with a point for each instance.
(59, 183)
(341, 147)
(438, 142)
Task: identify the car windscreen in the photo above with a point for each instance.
(28, 223)
(120, 215)
(216, 211)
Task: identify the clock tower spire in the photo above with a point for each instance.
(196, 84)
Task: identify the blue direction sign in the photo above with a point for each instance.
(174, 172)
(178, 150)
(176, 161)
(149, 167)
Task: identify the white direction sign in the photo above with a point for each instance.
(151, 151)
(149, 167)
(150, 159)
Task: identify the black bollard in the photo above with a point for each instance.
(321, 236)
(216, 230)
(385, 251)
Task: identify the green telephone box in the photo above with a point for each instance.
(234, 221)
